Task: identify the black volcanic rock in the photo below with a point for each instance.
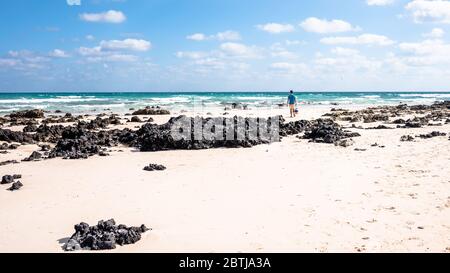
(16, 186)
(7, 179)
(136, 119)
(28, 114)
(30, 128)
(432, 134)
(12, 136)
(407, 138)
(105, 235)
(8, 162)
(151, 111)
(6, 146)
(326, 131)
(154, 167)
(380, 127)
(35, 156)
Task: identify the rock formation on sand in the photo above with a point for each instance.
(151, 111)
(154, 167)
(407, 138)
(105, 235)
(36, 113)
(432, 134)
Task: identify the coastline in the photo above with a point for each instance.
(289, 196)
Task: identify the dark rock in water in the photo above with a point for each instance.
(150, 120)
(17, 176)
(16, 186)
(136, 119)
(151, 111)
(8, 162)
(407, 138)
(35, 156)
(30, 128)
(105, 235)
(154, 167)
(239, 106)
(36, 113)
(432, 134)
(447, 121)
(360, 150)
(7, 179)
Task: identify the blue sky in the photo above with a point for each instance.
(224, 45)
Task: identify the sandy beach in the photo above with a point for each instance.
(291, 196)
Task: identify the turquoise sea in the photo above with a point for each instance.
(122, 102)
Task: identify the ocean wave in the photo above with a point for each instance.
(50, 100)
(371, 97)
(102, 106)
(425, 95)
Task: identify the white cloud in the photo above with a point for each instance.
(58, 53)
(294, 42)
(114, 50)
(426, 53)
(111, 16)
(322, 26)
(228, 35)
(427, 47)
(379, 2)
(127, 44)
(287, 69)
(341, 51)
(430, 11)
(197, 37)
(276, 28)
(90, 37)
(435, 33)
(364, 39)
(191, 54)
(239, 50)
(74, 2)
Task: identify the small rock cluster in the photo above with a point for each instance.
(432, 134)
(151, 111)
(154, 167)
(326, 131)
(105, 235)
(407, 138)
(11, 179)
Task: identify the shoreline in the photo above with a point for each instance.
(288, 196)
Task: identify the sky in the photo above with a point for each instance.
(224, 45)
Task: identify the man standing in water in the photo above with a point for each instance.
(292, 101)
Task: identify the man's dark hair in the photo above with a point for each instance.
(292, 92)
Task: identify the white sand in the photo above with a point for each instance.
(292, 196)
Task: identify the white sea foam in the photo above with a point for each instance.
(49, 100)
(426, 95)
